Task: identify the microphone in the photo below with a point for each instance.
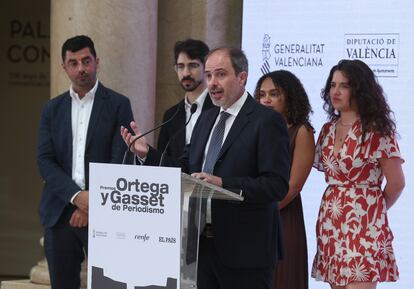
(150, 131)
(192, 111)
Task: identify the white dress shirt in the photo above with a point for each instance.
(233, 110)
(81, 113)
(187, 105)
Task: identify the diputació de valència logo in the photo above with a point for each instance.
(135, 196)
(378, 50)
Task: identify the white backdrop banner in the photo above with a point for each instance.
(308, 38)
(134, 227)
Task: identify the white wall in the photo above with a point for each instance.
(325, 32)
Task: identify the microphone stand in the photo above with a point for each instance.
(192, 111)
(149, 131)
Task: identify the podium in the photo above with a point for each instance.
(195, 192)
(144, 226)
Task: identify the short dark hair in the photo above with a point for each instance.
(237, 58)
(195, 49)
(77, 43)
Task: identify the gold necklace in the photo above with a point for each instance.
(345, 124)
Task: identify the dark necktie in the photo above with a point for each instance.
(216, 142)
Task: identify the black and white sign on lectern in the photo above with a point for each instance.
(144, 224)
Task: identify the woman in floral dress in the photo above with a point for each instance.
(356, 149)
(282, 91)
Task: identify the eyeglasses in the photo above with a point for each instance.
(190, 66)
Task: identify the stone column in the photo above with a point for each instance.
(216, 22)
(177, 20)
(125, 36)
(223, 23)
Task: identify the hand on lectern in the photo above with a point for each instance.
(140, 146)
(208, 178)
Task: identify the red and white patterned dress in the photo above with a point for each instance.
(354, 241)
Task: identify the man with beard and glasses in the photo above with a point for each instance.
(189, 65)
(77, 127)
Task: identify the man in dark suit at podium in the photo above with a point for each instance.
(77, 127)
(240, 145)
(189, 66)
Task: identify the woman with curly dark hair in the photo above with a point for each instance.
(356, 149)
(282, 91)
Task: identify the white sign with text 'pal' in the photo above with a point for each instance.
(134, 227)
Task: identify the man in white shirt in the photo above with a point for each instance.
(189, 65)
(77, 127)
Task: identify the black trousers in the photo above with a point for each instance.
(65, 249)
(213, 274)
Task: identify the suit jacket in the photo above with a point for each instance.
(177, 144)
(54, 155)
(255, 159)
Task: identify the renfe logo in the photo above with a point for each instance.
(142, 237)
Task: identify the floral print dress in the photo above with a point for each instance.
(354, 241)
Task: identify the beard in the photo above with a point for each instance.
(190, 86)
(85, 80)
